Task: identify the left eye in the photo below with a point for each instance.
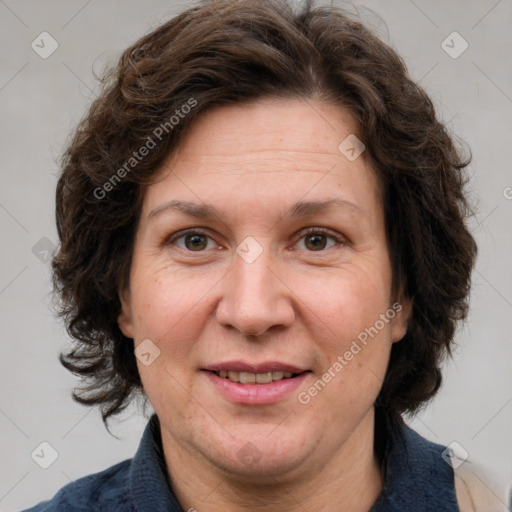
(314, 240)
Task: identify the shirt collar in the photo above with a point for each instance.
(149, 485)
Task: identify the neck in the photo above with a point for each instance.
(350, 479)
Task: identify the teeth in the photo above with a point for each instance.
(233, 375)
(253, 378)
(263, 378)
(247, 378)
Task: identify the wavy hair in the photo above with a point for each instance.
(222, 52)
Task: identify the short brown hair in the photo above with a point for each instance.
(222, 52)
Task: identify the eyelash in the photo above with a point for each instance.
(309, 231)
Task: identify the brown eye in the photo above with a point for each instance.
(196, 241)
(315, 242)
(316, 239)
(192, 241)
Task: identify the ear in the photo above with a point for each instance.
(124, 319)
(403, 310)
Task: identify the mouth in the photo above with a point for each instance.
(252, 383)
(255, 378)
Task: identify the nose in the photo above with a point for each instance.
(255, 296)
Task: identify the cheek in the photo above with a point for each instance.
(351, 323)
(163, 302)
(346, 301)
(167, 311)
(168, 316)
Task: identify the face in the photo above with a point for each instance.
(239, 270)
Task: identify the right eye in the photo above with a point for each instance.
(194, 240)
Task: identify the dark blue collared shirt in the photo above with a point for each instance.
(417, 479)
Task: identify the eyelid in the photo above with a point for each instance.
(324, 231)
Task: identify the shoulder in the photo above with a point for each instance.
(475, 492)
(107, 491)
(424, 475)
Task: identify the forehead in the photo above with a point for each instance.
(284, 148)
(293, 124)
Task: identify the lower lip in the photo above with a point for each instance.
(256, 394)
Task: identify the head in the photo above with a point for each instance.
(247, 109)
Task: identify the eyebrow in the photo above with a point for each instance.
(299, 209)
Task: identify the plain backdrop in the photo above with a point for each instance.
(42, 99)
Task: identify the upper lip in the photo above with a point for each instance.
(263, 367)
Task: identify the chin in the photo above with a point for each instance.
(261, 453)
(260, 467)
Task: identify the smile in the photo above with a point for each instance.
(262, 388)
(254, 378)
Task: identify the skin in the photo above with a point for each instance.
(297, 302)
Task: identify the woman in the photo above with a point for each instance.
(262, 229)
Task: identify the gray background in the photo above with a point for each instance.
(42, 99)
